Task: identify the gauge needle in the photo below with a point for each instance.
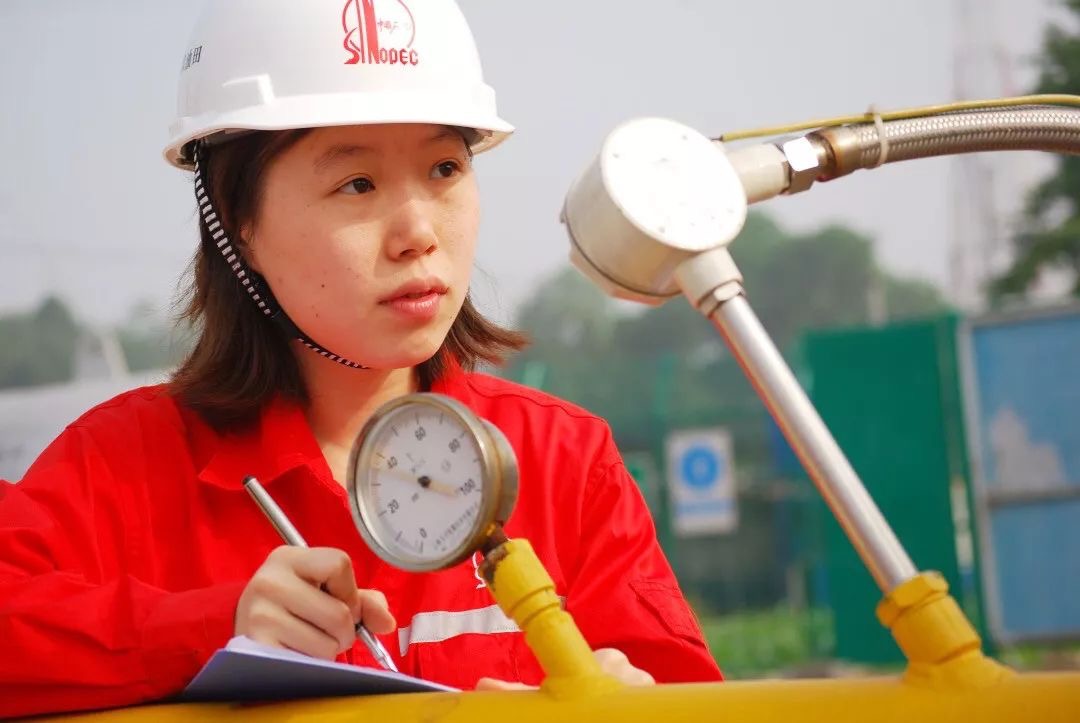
(430, 484)
(424, 481)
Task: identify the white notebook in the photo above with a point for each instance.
(245, 670)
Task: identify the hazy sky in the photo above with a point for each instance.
(89, 209)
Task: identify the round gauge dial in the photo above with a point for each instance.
(429, 481)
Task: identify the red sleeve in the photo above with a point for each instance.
(78, 630)
(624, 594)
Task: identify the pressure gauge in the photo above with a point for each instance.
(429, 482)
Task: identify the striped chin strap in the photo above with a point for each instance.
(257, 288)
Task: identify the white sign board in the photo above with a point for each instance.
(701, 482)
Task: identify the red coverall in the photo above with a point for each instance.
(125, 548)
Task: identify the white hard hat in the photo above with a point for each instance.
(282, 64)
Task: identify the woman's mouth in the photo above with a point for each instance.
(418, 304)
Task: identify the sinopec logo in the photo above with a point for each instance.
(379, 32)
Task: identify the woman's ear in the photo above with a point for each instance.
(247, 248)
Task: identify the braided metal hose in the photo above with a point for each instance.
(1035, 128)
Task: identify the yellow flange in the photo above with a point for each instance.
(942, 647)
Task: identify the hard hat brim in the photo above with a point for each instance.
(338, 110)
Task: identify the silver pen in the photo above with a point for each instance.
(292, 536)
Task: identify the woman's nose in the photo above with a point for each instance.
(411, 232)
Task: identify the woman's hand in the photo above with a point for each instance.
(306, 599)
(612, 661)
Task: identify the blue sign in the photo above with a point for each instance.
(700, 482)
(700, 467)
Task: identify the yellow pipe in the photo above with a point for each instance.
(525, 592)
(1045, 697)
(948, 678)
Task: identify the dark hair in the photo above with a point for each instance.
(241, 359)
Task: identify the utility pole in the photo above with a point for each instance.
(979, 248)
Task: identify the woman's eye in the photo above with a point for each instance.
(446, 169)
(357, 186)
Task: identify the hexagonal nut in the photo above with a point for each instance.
(918, 588)
(804, 162)
(909, 594)
(611, 287)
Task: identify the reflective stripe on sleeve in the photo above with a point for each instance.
(440, 625)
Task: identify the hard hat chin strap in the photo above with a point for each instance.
(257, 288)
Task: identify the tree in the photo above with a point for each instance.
(568, 320)
(41, 346)
(907, 298)
(567, 313)
(679, 328)
(1050, 233)
(148, 340)
(38, 347)
(818, 279)
(794, 282)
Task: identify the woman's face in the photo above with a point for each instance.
(366, 235)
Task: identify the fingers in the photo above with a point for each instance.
(292, 581)
(322, 566)
(370, 607)
(333, 570)
(617, 665)
(307, 600)
(273, 625)
(493, 684)
(612, 662)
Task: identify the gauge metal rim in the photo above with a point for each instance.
(498, 486)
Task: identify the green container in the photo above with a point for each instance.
(891, 397)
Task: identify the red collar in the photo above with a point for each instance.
(279, 442)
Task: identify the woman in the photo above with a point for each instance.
(332, 148)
